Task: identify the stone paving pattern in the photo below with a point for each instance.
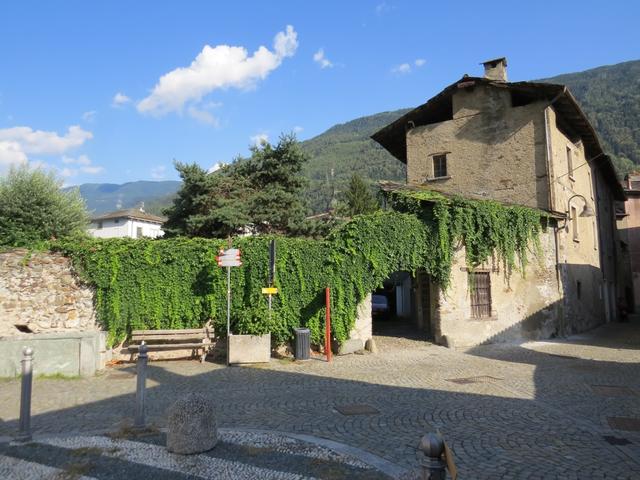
(514, 412)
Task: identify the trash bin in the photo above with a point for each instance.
(303, 343)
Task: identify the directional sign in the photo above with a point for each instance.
(229, 258)
(270, 290)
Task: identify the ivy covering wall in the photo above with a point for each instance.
(176, 283)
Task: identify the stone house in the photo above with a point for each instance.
(521, 143)
(629, 228)
(132, 223)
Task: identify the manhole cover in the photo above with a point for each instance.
(611, 440)
(612, 391)
(467, 380)
(629, 424)
(357, 409)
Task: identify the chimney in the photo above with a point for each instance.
(496, 69)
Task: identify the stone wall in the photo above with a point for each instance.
(39, 293)
(493, 151)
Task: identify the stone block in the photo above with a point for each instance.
(249, 348)
(351, 345)
(191, 425)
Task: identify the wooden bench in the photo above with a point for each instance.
(195, 339)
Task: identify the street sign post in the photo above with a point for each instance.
(271, 290)
(229, 258)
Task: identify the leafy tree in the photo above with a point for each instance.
(263, 193)
(358, 198)
(34, 208)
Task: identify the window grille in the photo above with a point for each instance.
(480, 290)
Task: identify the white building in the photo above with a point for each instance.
(132, 223)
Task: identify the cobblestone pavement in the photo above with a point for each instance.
(563, 409)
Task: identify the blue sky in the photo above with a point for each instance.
(114, 91)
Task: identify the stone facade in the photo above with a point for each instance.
(523, 307)
(39, 293)
(493, 151)
(522, 144)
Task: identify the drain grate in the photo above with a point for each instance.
(613, 391)
(467, 380)
(628, 424)
(611, 440)
(357, 409)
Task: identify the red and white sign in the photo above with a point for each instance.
(229, 258)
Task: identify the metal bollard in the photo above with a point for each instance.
(433, 468)
(141, 376)
(24, 434)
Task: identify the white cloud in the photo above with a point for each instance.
(215, 68)
(321, 60)
(419, 62)
(383, 8)
(215, 167)
(401, 69)
(119, 99)
(11, 155)
(202, 116)
(81, 160)
(45, 143)
(89, 116)
(158, 172)
(80, 164)
(92, 170)
(258, 139)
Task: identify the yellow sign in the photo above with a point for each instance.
(270, 290)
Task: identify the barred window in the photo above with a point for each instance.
(480, 291)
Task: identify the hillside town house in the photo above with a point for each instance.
(131, 223)
(521, 143)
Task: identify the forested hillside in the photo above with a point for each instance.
(610, 96)
(346, 149)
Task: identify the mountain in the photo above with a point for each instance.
(345, 149)
(609, 95)
(106, 197)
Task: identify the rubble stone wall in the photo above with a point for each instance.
(39, 293)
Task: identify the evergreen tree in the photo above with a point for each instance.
(34, 208)
(358, 198)
(262, 193)
(275, 175)
(208, 204)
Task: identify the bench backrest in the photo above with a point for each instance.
(171, 335)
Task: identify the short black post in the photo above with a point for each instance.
(141, 374)
(433, 467)
(24, 435)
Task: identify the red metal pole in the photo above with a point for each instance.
(327, 324)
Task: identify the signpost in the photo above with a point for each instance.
(229, 258)
(271, 290)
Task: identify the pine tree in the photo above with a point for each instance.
(358, 198)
